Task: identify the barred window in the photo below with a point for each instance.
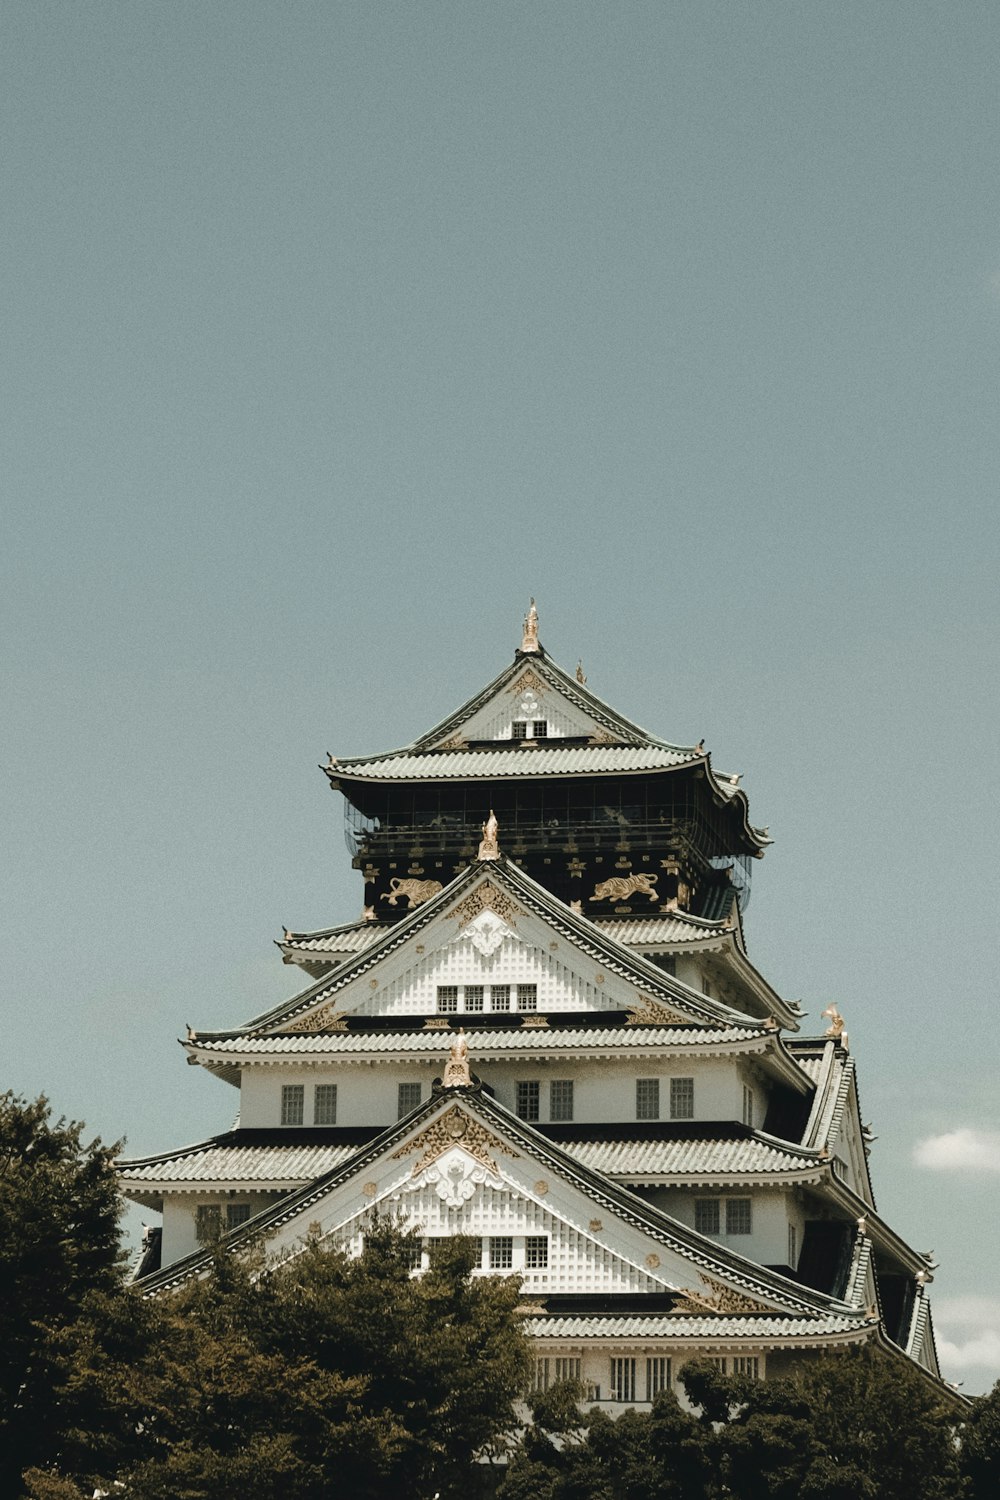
(540, 1375)
(447, 997)
(738, 1216)
(561, 1099)
(325, 1104)
(407, 1098)
(501, 1252)
(568, 1369)
(719, 1361)
(207, 1222)
(500, 996)
(793, 1245)
(657, 1375)
(236, 1214)
(746, 1364)
(474, 996)
(748, 1106)
(527, 1101)
(293, 1103)
(706, 1215)
(682, 1098)
(527, 997)
(623, 1380)
(519, 730)
(536, 1252)
(647, 1098)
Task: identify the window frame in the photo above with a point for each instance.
(322, 1114)
(528, 1092)
(561, 1104)
(682, 1098)
(647, 1108)
(293, 1104)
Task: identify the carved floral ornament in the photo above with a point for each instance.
(719, 1298)
(326, 1018)
(487, 897)
(648, 1012)
(455, 1128)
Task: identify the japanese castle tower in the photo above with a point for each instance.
(545, 1032)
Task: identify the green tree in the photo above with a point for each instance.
(981, 1446)
(69, 1332)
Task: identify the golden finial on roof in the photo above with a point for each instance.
(529, 641)
(456, 1069)
(579, 674)
(489, 848)
(836, 1026)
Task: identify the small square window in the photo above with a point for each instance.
(561, 1099)
(738, 1216)
(527, 997)
(447, 998)
(647, 1098)
(540, 729)
(527, 1101)
(706, 1215)
(236, 1214)
(474, 997)
(407, 1098)
(293, 1103)
(682, 1098)
(519, 730)
(536, 1252)
(325, 1104)
(500, 997)
(501, 1253)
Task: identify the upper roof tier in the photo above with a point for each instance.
(536, 720)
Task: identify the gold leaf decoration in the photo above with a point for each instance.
(487, 897)
(453, 1128)
(323, 1019)
(718, 1299)
(648, 1012)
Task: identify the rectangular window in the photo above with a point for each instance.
(207, 1222)
(793, 1246)
(447, 998)
(407, 1098)
(746, 1364)
(738, 1217)
(413, 1253)
(568, 1369)
(540, 729)
(501, 1253)
(293, 1103)
(657, 1376)
(748, 1106)
(527, 997)
(536, 1252)
(561, 1099)
(719, 1361)
(236, 1214)
(519, 730)
(325, 1104)
(500, 997)
(527, 1101)
(647, 1098)
(540, 1378)
(623, 1380)
(682, 1098)
(706, 1215)
(474, 997)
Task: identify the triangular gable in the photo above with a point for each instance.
(463, 1165)
(494, 926)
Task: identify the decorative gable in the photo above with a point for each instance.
(526, 707)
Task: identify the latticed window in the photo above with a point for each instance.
(519, 730)
(682, 1098)
(657, 1376)
(527, 997)
(407, 1098)
(413, 1253)
(207, 1222)
(536, 1252)
(706, 1215)
(540, 1375)
(500, 997)
(293, 1103)
(540, 729)
(236, 1214)
(647, 1098)
(738, 1216)
(474, 996)
(527, 1101)
(623, 1380)
(447, 997)
(746, 1364)
(561, 1099)
(568, 1369)
(325, 1104)
(748, 1106)
(501, 1252)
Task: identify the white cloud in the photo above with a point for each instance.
(964, 1149)
(967, 1333)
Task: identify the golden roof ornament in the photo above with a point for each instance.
(529, 641)
(456, 1071)
(488, 848)
(836, 1026)
(581, 679)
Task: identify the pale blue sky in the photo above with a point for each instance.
(334, 331)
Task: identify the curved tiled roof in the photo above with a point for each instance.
(507, 758)
(232, 1161)
(710, 1160)
(679, 1325)
(433, 1041)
